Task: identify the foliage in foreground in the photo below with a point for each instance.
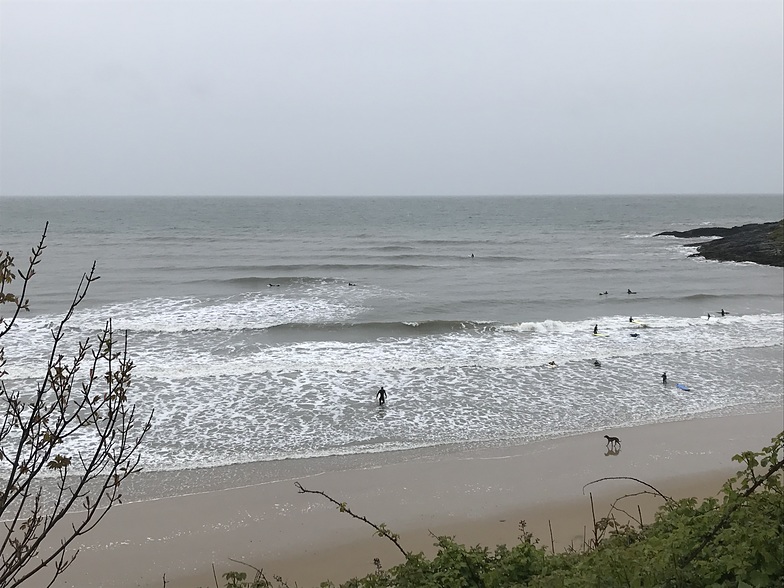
(67, 441)
(737, 540)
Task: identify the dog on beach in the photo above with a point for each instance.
(612, 441)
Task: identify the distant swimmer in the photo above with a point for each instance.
(628, 291)
(274, 285)
(351, 284)
(382, 396)
(596, 329)
(664, 378)
(597, 363)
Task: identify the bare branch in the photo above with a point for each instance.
(6, 275)
(667, 499)
(259, 572)
(381, 530)
(33, 434)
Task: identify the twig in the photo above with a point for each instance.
(259, 572)
(552, 541)
(614, 506)
(381, 530)
(243, 563)
(593, 516)
(214, 575)
(666, 498)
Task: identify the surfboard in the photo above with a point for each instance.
(682, 387)
(600, 335)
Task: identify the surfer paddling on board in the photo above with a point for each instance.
(628, 291)
(382, 396)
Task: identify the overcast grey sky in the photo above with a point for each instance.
(391, 97)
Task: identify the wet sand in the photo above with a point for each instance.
(476, 495)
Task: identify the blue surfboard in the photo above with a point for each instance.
(682, 387)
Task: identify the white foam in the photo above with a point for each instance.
(231, 395)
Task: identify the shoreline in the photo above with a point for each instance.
(477, 495)
(157, 485)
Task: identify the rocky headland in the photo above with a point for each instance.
(761, 243)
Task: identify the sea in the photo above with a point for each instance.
(262, 328)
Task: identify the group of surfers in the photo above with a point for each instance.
(381, 395)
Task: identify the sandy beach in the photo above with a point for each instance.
(478, 495)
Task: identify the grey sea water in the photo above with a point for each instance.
(261, 328)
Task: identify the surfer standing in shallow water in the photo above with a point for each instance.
(382, 396)
(596, 329)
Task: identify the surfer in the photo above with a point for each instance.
(631, 320)
(472, 255)
(628, 291)
(722, 312)
(552, 364)
(603, 293)
(382, 396)
(597, 363)
(596, 329)
(664, 378)
(708, 316)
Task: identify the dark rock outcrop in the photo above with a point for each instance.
(761, 243)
